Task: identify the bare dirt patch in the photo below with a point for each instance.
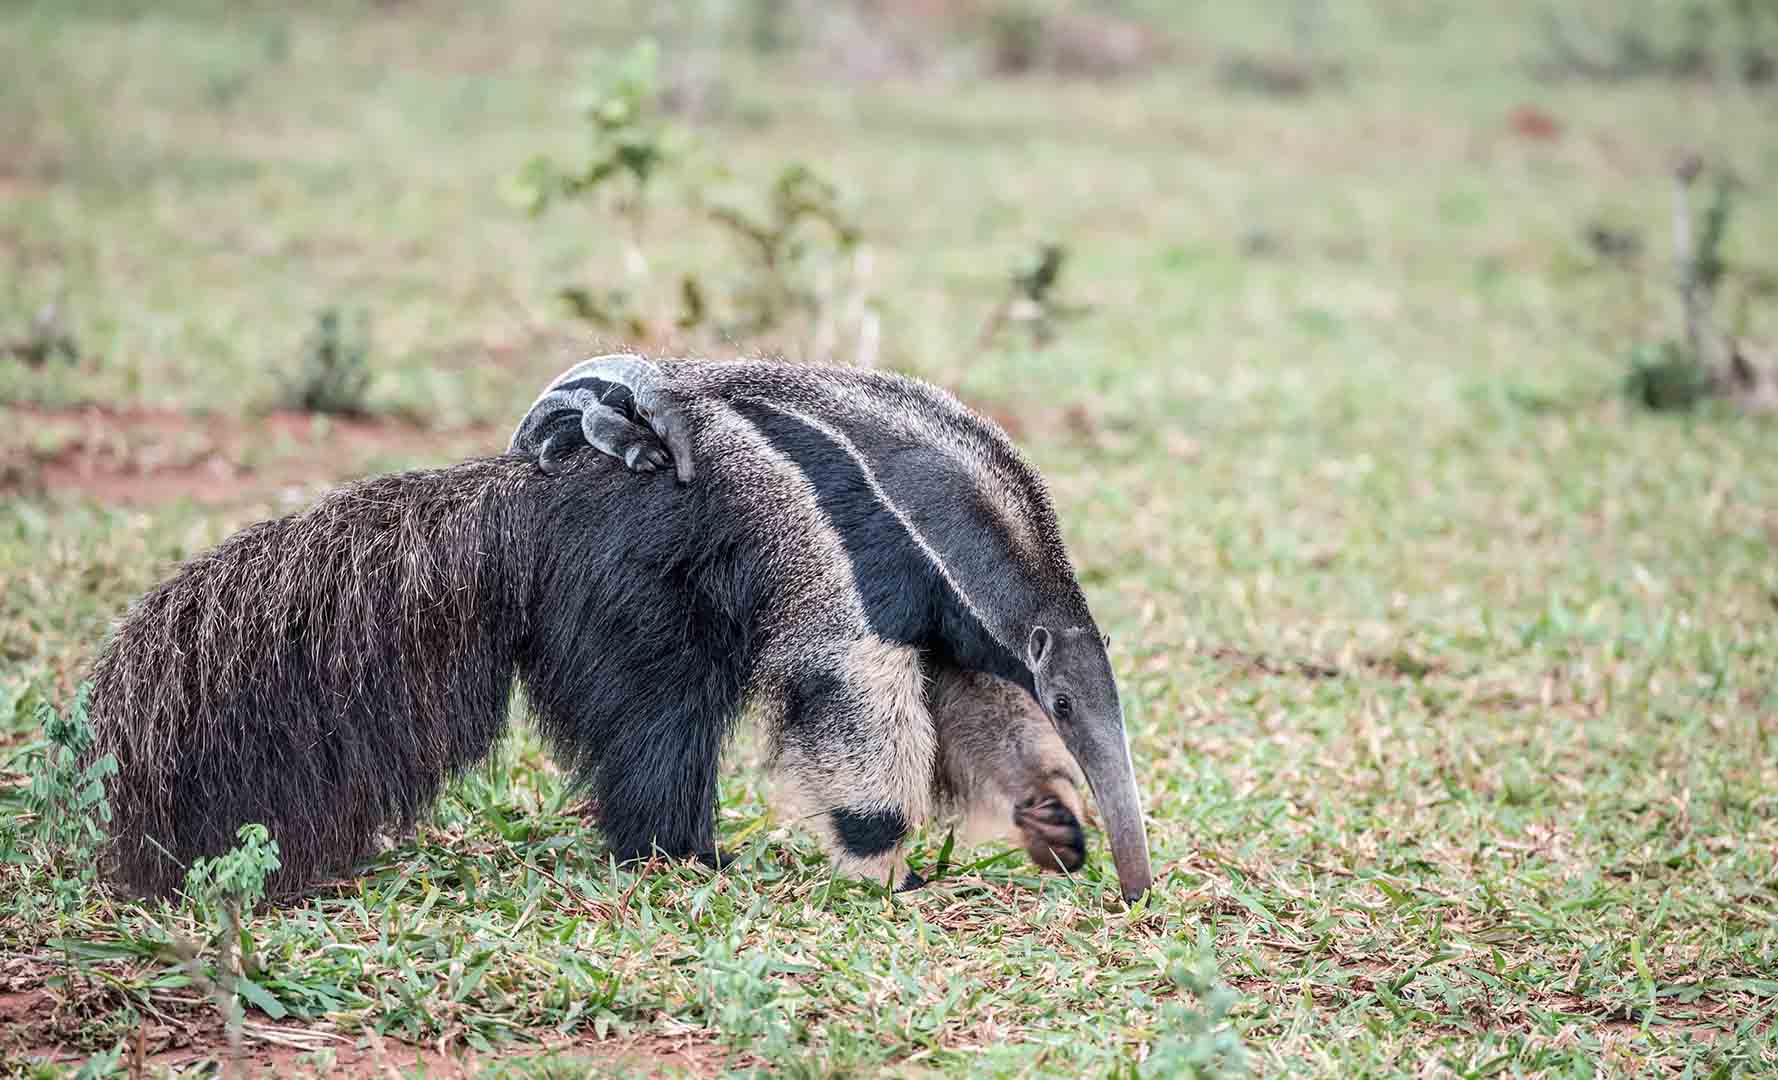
(148, 456)
(33, 1022)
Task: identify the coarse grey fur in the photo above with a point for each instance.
(324, 673)
(320, 674)
(890, 477)
(1003, 773)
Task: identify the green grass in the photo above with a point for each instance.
(1453, 678)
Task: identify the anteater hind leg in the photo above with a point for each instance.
(854, 758)
(656, 782)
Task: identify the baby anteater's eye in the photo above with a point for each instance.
(1064, 708)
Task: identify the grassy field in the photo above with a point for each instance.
(1452, 675)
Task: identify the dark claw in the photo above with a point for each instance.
(911, 882)
(643, 458)
(1049, 812)
(1053, 836)
(679, 449)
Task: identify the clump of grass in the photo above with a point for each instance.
(47, 338)
(335, 373)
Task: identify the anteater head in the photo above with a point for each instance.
(1071, 674)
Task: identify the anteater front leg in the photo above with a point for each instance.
(854, 758)
(644, 735)
(657, 791)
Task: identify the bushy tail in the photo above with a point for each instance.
(322, 674)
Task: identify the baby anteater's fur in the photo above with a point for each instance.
(326, 672)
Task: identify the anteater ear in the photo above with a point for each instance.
(1038, 648)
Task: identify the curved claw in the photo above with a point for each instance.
(670, 427)
(1053, 836)
(638, 459)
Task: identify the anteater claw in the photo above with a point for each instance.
(1053, 836)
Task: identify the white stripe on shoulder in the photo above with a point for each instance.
(870, 477)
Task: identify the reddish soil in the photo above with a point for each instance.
(31, 1023)
(1531, 122)
(147, 456)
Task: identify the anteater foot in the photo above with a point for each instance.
(1053, 836)
(911, 882)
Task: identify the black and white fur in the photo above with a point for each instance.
(1002, 771)
(918, 540)
(325, 672)
(612, 403)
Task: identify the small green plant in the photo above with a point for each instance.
(797, 245)
(743, 1002)
(1677, 373)
(631, 147)
(220, 889)
(335, 374)
(1666, 376)
(1031, 299)
(1201, 1041)
(803, 231)
(67, 794)
(67, 800)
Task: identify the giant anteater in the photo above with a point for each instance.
(325, 672)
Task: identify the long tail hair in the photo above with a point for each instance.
(325, 673)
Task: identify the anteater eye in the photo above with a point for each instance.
(1064, 707)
